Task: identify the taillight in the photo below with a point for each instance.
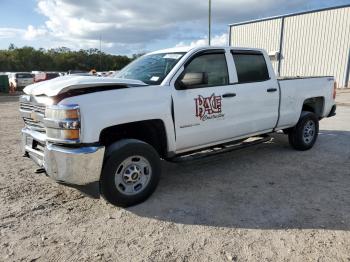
(334, 90)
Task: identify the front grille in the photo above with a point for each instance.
(29, 106)
(33, 115)
(35, 125)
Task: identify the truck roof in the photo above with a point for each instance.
(185, 49)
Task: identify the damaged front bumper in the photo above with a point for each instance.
(70, 165)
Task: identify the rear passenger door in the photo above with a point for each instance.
(257, 96)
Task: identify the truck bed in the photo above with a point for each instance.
(296, 90)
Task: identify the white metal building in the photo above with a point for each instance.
(310, 43)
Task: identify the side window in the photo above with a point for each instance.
(250, 67)
(205, 71)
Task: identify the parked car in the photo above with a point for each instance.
(43, 76)
(112, 73)
(18, 81)
(171, 104)
(74, 72)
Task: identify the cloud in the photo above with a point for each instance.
(10, 32)
(217, 40)
(134, 25)
(33, 33)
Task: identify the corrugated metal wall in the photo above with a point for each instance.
(265, 35)
(315, 43)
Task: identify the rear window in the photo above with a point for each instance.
(251, 67)
(24, 75)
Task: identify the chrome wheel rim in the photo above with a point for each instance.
(133, 175)
(309, 132)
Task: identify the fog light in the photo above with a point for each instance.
(57, 135)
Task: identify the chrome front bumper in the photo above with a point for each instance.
(76, 166)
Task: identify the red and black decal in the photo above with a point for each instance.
(208, 107)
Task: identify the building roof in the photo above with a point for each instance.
(288, 15)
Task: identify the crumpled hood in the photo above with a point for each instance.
(62, 84)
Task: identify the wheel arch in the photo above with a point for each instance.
(314, 105)
(152, 132)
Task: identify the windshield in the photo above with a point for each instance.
(151, 69)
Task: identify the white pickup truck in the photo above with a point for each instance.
(84, 130)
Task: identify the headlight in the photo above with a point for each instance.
(62, 123)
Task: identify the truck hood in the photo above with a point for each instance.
(63, 84)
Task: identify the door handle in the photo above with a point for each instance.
(271, 90)
(228, 95)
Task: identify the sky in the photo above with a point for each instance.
(132, 26)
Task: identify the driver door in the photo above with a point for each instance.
(202, 105)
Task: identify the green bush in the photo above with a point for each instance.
(28, 59)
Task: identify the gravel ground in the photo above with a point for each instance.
(266, 202)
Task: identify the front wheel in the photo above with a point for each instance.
(303, 136)
(131, 172)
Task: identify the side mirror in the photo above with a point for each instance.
(193, 79)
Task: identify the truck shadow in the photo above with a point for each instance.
(268, 186)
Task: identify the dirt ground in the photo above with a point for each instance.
(263, 203)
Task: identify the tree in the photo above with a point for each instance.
(12, 46)
(58, 59)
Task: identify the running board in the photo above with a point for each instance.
(224, 148)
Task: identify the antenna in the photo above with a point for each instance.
(209, 23)
(100, 54)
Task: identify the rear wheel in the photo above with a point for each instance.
(131, 172)
(303, 136)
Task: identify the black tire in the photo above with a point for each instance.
(301, 137)
(113, 185)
